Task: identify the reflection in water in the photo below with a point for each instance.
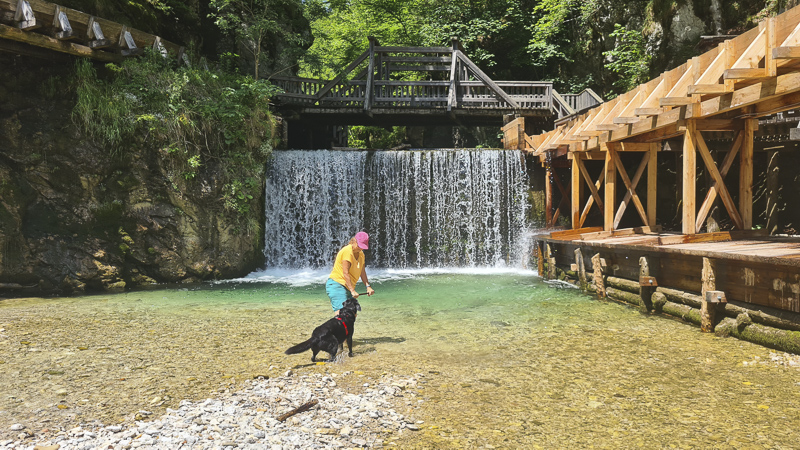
(508, 361)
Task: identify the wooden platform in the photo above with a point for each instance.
(748, 267)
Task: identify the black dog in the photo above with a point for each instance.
(330, 336)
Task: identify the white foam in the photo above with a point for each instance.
(308, 276)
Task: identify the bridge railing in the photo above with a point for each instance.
(413, 94)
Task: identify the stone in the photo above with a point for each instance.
(17, 427)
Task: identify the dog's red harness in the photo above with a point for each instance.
(343, 324)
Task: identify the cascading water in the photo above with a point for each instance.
(431, 208)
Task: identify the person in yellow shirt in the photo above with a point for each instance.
(347, 269)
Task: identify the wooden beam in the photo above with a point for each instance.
(652, 183)
(588, 179)
(610, 190)
(370, 88)
(570, 234)
(746, 174)
(71, 48)
(631, 187)
(744, 74)
(486, 80)
(675, 101)
(330, 84)
(727, 200)
(786, 53)
(575, 204)
(689, 175)
(451, 95)
(592, 198)
(648, 111)
(711, 195)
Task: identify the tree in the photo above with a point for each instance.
(255, 22)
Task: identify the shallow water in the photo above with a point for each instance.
(509, 361)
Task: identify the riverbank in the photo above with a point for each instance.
(253, 418)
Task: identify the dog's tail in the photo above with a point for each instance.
(299, 348)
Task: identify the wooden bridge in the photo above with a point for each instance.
(389, 89)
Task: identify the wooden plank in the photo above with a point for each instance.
(42, 41)
(745, 74)
(786, 53)
(648, 111)
(689, 175)
(675, 101)
(708, 89)
(570, 234)
(746, 174)
(719, 182)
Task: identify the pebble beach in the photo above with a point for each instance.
(248, 418)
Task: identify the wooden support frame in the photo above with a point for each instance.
(579, 171)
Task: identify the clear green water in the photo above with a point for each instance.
(509, 362)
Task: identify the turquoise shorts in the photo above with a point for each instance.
(337, 293)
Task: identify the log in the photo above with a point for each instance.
(784, 340)
(677, 296)
(624, 296)
(623, 284)
(659, 300)
(299, 409)
(778, 319)
(685, 312)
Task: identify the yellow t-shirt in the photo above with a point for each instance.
(356, 266)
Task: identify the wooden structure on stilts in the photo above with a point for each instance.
(605, 161)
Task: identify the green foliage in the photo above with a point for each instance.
(629, 59)
(191, 116)
(256, 22)
(375, 137)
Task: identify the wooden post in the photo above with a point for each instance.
(746, 174)
(551, 262)
(652, 184)
(689, 178)
(540, 258)
(597, 269)
(610, 201)
(548, 193)
(707, 309)
(368, 94)
(646, 292)
(581, 268)
(576, 192)
(773, 193)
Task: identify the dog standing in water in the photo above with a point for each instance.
(331, 335)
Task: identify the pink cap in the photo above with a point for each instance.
(362, 239)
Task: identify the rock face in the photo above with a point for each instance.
(75, 218)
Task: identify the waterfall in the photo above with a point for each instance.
(431, 208)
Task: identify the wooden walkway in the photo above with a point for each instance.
(748, 267)
(36, 28)
(400, 85)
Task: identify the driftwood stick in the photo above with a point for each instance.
(299, 409)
